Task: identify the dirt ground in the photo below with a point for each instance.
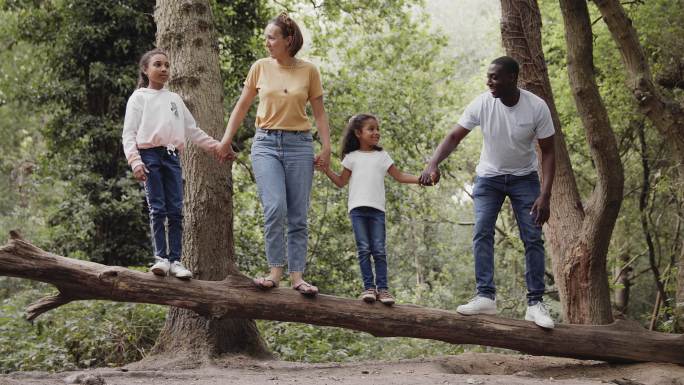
(467, 369)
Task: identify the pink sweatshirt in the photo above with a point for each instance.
(157, 118)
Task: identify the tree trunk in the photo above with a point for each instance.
(578, 237)
(623, 278)
(667, 115)
(236, 296)
(185, 30)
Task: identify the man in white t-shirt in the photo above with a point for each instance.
(512, 120)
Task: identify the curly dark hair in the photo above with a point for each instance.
(349, 140)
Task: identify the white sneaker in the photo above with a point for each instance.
(179, 271)
(478, 305)
(539, 314)
(161, 267)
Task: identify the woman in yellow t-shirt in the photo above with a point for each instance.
(282, 152)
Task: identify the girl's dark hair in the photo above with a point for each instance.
(143, 81)
(289, 28)
(349, 140)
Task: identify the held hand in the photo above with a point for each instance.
(140, 173)
(430, 176)
(540, 210)
(224, 151)
(322, 160)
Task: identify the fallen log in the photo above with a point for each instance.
(236, 297)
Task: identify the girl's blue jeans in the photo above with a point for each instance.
(369, 230)
(164, 192)
(283, 168)
(488, 196)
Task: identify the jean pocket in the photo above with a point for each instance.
(260, 136)
(306, 137)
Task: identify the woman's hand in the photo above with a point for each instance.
(224, 151)
(322, 160)
(140, 173)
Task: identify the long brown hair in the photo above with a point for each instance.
(289, 28)
(143, 80)
(349, 140)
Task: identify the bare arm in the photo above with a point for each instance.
(323, 158)
(431, 173)
(402, 177)
(339, 180)
(540, 208)
(225, 148)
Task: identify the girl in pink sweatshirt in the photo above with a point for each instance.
(156, 125)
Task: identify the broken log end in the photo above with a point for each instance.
(46, 304)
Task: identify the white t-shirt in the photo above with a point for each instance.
(367, 182)
(509, 132)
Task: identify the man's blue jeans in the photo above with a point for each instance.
(488, 195)
(369, 230)
(283, 168)
(164, 192)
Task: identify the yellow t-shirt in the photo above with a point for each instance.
(283, 93)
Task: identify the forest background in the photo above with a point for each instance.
(68, 66)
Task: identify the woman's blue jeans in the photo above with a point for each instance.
(283, 168)
(488, 195)
(369, 231)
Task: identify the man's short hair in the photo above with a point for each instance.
(508, 64)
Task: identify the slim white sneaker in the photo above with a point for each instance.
(478, 305)
(161, 267)
(539, 314)
(179, 271)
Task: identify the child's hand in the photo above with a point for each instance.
(140, 173)
(430, 176)
(225, 152)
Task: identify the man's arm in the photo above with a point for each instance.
(540, 209)
(431, 174)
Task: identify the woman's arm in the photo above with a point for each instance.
(323, 158)
(402, 177)
(225, 148)
(339, 180)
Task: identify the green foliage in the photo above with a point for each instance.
(78, 335)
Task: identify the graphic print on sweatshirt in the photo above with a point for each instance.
(174, 109)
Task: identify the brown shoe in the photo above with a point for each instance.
(368, 295)
(385, 297)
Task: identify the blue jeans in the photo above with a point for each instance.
(164, 192)
(488, 195)
(283, 168)
(369, 230)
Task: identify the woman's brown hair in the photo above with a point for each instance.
(289, 28)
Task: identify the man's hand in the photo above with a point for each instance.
(540, 209)
(140, 173)
(430, 176)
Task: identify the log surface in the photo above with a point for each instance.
(237, 297)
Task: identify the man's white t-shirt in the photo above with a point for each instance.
(509, 132)
(367, 182)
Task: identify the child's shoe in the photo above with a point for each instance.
(179, 271)
(368, 295)
(161, 267)
(385, 297)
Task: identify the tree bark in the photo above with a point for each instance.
(236, 296)
(578, 236)
(185, 30)
(667, 115)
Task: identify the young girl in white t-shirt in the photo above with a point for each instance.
(365, 166)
